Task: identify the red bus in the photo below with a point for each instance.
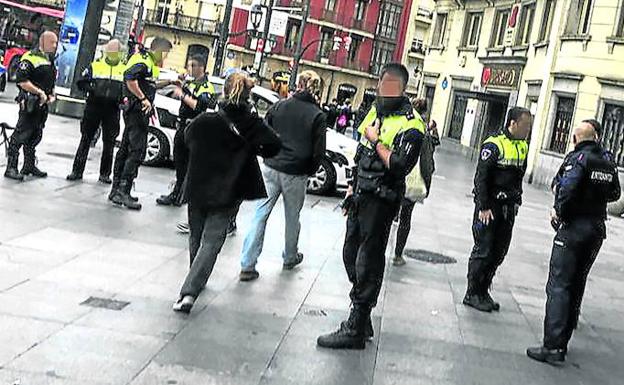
(20, 27)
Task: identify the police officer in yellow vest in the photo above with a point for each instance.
(392, 134)
(139, 92)
(196, 95)
(36, 75)
(497, 195)
(103, 81)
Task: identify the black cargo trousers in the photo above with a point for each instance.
(98, 113)
(368, 230)
(28, 133)
(574, 251)
(491, 244)
(133, 145)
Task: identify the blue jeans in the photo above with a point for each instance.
(293, 190)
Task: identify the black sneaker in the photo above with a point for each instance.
(168, 200)
(343, 338)
(293, 264)
(105, 179)
(246, 276)
(74, 177)
(495, 305)
(478, 302)
(550, 356)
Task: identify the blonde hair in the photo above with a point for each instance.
(237, 88)
(309, 81)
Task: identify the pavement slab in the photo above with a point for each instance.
(62, 243)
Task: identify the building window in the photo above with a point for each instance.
(562, 124)
(326, 44)
(500, 28)
(472, 29)
(579, 18)
(330, 5)
(292, 32)
(360, 9)
(547, 20)
(439, 32)
(526, 24)
(613, 131)
(162, 11)
(389, 20)
(354, 49)
(382, 54)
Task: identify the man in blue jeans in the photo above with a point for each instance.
(301, 125)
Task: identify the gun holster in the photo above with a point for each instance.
(31, 103)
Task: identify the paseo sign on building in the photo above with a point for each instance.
(501, 76)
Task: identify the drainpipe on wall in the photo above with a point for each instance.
(543, 104)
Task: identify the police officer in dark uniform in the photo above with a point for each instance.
(139, 91)
(197, 95)
(586, 181)
(497, 196)
(392, 135)
(103, 80)
(36, 75)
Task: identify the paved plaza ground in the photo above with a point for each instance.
(62, 243)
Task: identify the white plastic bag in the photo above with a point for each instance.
(416, 190)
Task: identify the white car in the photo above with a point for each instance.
(335, 168)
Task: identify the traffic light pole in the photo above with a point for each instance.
(223, 38)
(265, 36)
(299, 52)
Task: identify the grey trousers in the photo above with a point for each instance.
(208, 233)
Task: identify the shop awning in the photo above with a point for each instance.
(42, 10)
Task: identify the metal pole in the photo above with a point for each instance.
(265, 37)
(139, 22)
(223, 38)
(298, 53)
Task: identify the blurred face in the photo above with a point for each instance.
(521, 128)
(112, 52)
(160, 56)
(49, 42)
(195, 69)
(390, 86)
(583, 132)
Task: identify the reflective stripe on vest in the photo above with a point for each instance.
(391, 127)
(35, 60)
(512, 152)
(102, 70)
(145, 58)
(201, 88)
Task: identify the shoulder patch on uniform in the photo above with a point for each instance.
(23, 65)
(581, 156)
(486, 153)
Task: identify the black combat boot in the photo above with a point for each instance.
(369, 332)
(30, 167)
(350, 335)
(74, 176)
(543, 354)
(122, 197)
(11, 170)
(495, 305)
(478, 301)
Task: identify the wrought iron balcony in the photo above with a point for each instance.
(182, 22)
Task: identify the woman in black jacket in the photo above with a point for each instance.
(223, 171)
(427, 167)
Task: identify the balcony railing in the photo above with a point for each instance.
(363, 25)
(418, 46)
(185, 23)
(60, 4)
(424, 12)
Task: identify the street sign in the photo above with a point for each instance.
(279, 22)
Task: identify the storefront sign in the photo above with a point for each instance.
(505, 76)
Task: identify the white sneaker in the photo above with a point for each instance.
(183, 228)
